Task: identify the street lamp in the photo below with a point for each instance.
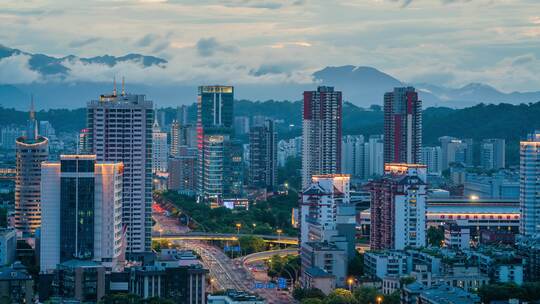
(350, 281)
(279, 231)
(238, 226)
(212, 280)
(379, 299)
(160, 232)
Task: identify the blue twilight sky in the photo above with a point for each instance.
(447, 42)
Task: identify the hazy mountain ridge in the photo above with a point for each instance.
(361, 85)
(49, 65)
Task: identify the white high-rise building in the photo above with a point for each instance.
(81, 211)
(352, 155)
(321, 133)
(120, 130)
(456, 150)
(529, 189)
(319, 207)
(432, 158)
(493, 154)
(160, 150)
(374, 156)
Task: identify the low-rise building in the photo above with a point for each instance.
(16, 283)
(457, 236)
(320, 279)
(444, 294)
(8, 246)
(80, 280)
(326, 256)
(381, 264)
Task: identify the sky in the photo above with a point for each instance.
(444, 42)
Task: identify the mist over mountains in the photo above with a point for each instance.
(61, 82)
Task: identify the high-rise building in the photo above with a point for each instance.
(214, 131)
(160, 150)
(120, 130)
(432, 158)
(321, 133)
(241, 125)
(31, 150)
(82, 211)
(9, 136)
(529, 189)
(398, 207)
(183, 171)
(83, 145)
(402, 126)
(353, 155)
(493, 154)
(182, 115)
(175, 138)
(319, 206)
(456, 150)
(263, 155)
(374, 156)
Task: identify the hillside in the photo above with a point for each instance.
(512, 122)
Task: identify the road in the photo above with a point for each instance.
(225, 273)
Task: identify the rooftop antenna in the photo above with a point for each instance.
(114, 86)
(123, 86)
(32, 111)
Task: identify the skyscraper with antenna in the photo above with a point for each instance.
(31, 150)
(120, 130)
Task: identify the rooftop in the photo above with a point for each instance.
(445, 294)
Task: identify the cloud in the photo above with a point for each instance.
(207, 47)
(525, 59)
(275, 68)
(147, 40)
(404, 3)
(83, 42)
(264, 4)
(16, 70)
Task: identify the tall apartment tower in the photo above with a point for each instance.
(402, 126)
(321, 133)
(120, 130)
(529, 187)
(160, 153)
(398, 207)
(493, 154)
(432, 158)
(175, 138)
(214, 132)
(263, 155)
(82, 211)
(31, 150)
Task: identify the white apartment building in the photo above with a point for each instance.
(120, 130)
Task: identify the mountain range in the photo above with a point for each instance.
(361, 85)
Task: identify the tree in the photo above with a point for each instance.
(340, 296)
(308, 293)
(356, 265)
(435, 236)
(366, 295)
(393, 298)
(251, 244)
(311, 301)
(121, 298)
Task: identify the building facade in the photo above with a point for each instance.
(432, 158)
(31, 150)
(120, 130)
(160, 150)
(493, 153)
(398, 207)
(215, 105)
(321, 133)
(263, 155)
(402, 126)
(529, 193)
(82, 211)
